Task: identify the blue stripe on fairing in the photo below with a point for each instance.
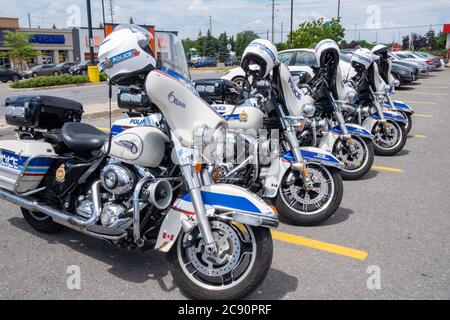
(229, 117)
(351, 129)
(309, 155)
(389, 116)
(225, 200)
(40, 165)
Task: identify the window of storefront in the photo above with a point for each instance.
(63, 56)
(5, 63)
(47, 57)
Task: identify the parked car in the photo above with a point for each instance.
(9, 75)
(64, 67)
(81, 68)
(42, 70)
(436, 60)
(421, 67)
(206, 62)
(233, 61)
(403, 74)
(408, 56)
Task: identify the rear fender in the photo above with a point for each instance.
(242, 206)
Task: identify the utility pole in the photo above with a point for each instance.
(273, 19)
(29, 20)
(91, 40)
(267, 34)
(355, 33)
(111, 11)
(103, 14)
(292, 21)
(210, 24)
(281, 40)
(339, 10)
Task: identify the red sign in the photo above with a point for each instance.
(396, 47)
(447, 28)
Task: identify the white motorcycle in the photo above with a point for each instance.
(143, 188)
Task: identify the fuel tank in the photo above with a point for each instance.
(179, 102)
(243, 117)
(140, 146)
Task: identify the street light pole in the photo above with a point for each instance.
(103, 13)
(292, 21)
(273, 19)
(91, 40)
(339, 10)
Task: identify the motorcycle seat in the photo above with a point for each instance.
(82, 137)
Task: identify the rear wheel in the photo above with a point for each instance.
(15, 78)
(40, 222)
(310, 207)
(390, 139)
(34, 75)
(56, 73)
(241, 264)
(356, 165)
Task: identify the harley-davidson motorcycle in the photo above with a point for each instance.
(327, 129)
(385, 68)
(387, 126)
(304, 181)
(143, 188)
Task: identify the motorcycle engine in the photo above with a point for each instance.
(117, 179)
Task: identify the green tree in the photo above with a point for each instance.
(312, 32)
(441, 40)
(231, 41)
(21, 50)
(430, 37)
(242, 41)
(223, 50)
(210, 44)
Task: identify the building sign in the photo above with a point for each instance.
(47, 39)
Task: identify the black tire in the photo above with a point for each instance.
(56, 73)
(4, 81)
(15, 78)
(298, 217)
(379, 151)
(239, 81)
(34, 75)
(44, 224)
(368, 162)
(260, 268)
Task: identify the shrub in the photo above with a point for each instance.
(51, 81)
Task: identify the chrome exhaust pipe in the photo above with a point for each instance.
(58, 216)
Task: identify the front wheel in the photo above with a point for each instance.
(242, 262)
(389, 139)
(357, 164)
(310, 207)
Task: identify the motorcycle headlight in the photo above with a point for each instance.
(387, 88)
(308, 110)
(351, 97)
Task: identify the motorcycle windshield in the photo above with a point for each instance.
(171, 55)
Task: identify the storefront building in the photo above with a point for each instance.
(81, 43)
(54, 45)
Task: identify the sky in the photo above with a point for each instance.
(190, 16)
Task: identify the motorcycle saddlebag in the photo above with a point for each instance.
(216, 91)
(41, 112)
(24, 163)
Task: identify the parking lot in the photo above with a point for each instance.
(393, 226)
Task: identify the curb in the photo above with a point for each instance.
(57, 87)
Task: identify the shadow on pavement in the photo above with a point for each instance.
(275, 287)
(132, 266)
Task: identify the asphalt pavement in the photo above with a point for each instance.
(389, 240)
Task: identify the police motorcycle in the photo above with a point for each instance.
(387, 126)
(304, 182)
(327, 128)
(143, 188)
(385, 69)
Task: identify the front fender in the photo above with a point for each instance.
(314, 155)
(354, 129)
(400, 106)
(246, 207)
(390, 115)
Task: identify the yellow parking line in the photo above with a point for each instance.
(319, 245)
(429, 93)
(103, 129)
(420, 102)
(420, 136)
(382, 168)
(423, 115)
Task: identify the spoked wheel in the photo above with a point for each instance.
(40, 222)
(310, 207)
(409, 122)
(243, 259)
(356, 164)
(389, 139)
